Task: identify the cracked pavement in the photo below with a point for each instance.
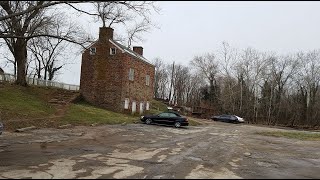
(213, 150)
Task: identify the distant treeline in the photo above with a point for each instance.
(262, 87)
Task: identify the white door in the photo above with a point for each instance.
(134, 107)
(141, 107)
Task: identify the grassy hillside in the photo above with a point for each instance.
(83, 113)
(26, 106)
(23, 103)
(157, 107)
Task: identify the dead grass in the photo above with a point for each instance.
(309, 136)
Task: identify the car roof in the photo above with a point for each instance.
(173, 112)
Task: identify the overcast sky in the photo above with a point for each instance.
(192, 28)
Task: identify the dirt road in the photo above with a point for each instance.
(214, 150)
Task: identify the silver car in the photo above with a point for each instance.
(228, 118)
(1, 128)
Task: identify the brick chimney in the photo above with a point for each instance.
(105, 34)
(138, 49)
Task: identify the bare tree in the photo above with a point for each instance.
(227, 58)
(21, 21)
(309, 82)
(158, 76)
(25, 20)
(180, 76)
(47, 51)
(134, 33)
(132, 15)
(171, 69)
(111, 13)
(208, 67)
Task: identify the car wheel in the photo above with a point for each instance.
(148, 121)
(177, 124)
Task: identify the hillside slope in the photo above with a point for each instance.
(52, 107)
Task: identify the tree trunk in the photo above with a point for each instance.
(20, 55)
(45, 72)
(171, 82)
(39, 70)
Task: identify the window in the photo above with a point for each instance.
(141, 107)
(164, 115)
(131, 74)
(172, 115)
(147, 105)
(134, 107)
(93, 51)
(147, 80)
(126, 103)
(112, 51)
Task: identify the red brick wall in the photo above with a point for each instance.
(137, 90)
(105, 78)
(101, 73)
(138, 49)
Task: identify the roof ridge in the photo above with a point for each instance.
(129, 51)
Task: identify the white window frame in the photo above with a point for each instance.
(93, 50)
(131, 74)
(147, 106)
(141, 107)
(147, 80)
(126, 103)
(134, 106)
(115, 51)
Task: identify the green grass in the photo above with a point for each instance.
(154, 111)
(23, 102)
(86, 114)
(293, 135)
(158, 106)
(31, 103)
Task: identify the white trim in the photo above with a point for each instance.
(116, 45)
(92, 52)
(131, 53)
(137, 56)
(131, 74)
(147, 106)
(134, 106)
(89, 46)
(126, 103)
(115, 51)
(148, 80)
(141, 107)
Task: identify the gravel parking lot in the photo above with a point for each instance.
(212, 150)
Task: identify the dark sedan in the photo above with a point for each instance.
(170, 118)
(228, 118)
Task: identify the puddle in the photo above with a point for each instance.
(265, 164)
(138, 154)
(194, 158)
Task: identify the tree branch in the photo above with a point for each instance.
(30, 9)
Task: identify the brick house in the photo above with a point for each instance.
(115, 77)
